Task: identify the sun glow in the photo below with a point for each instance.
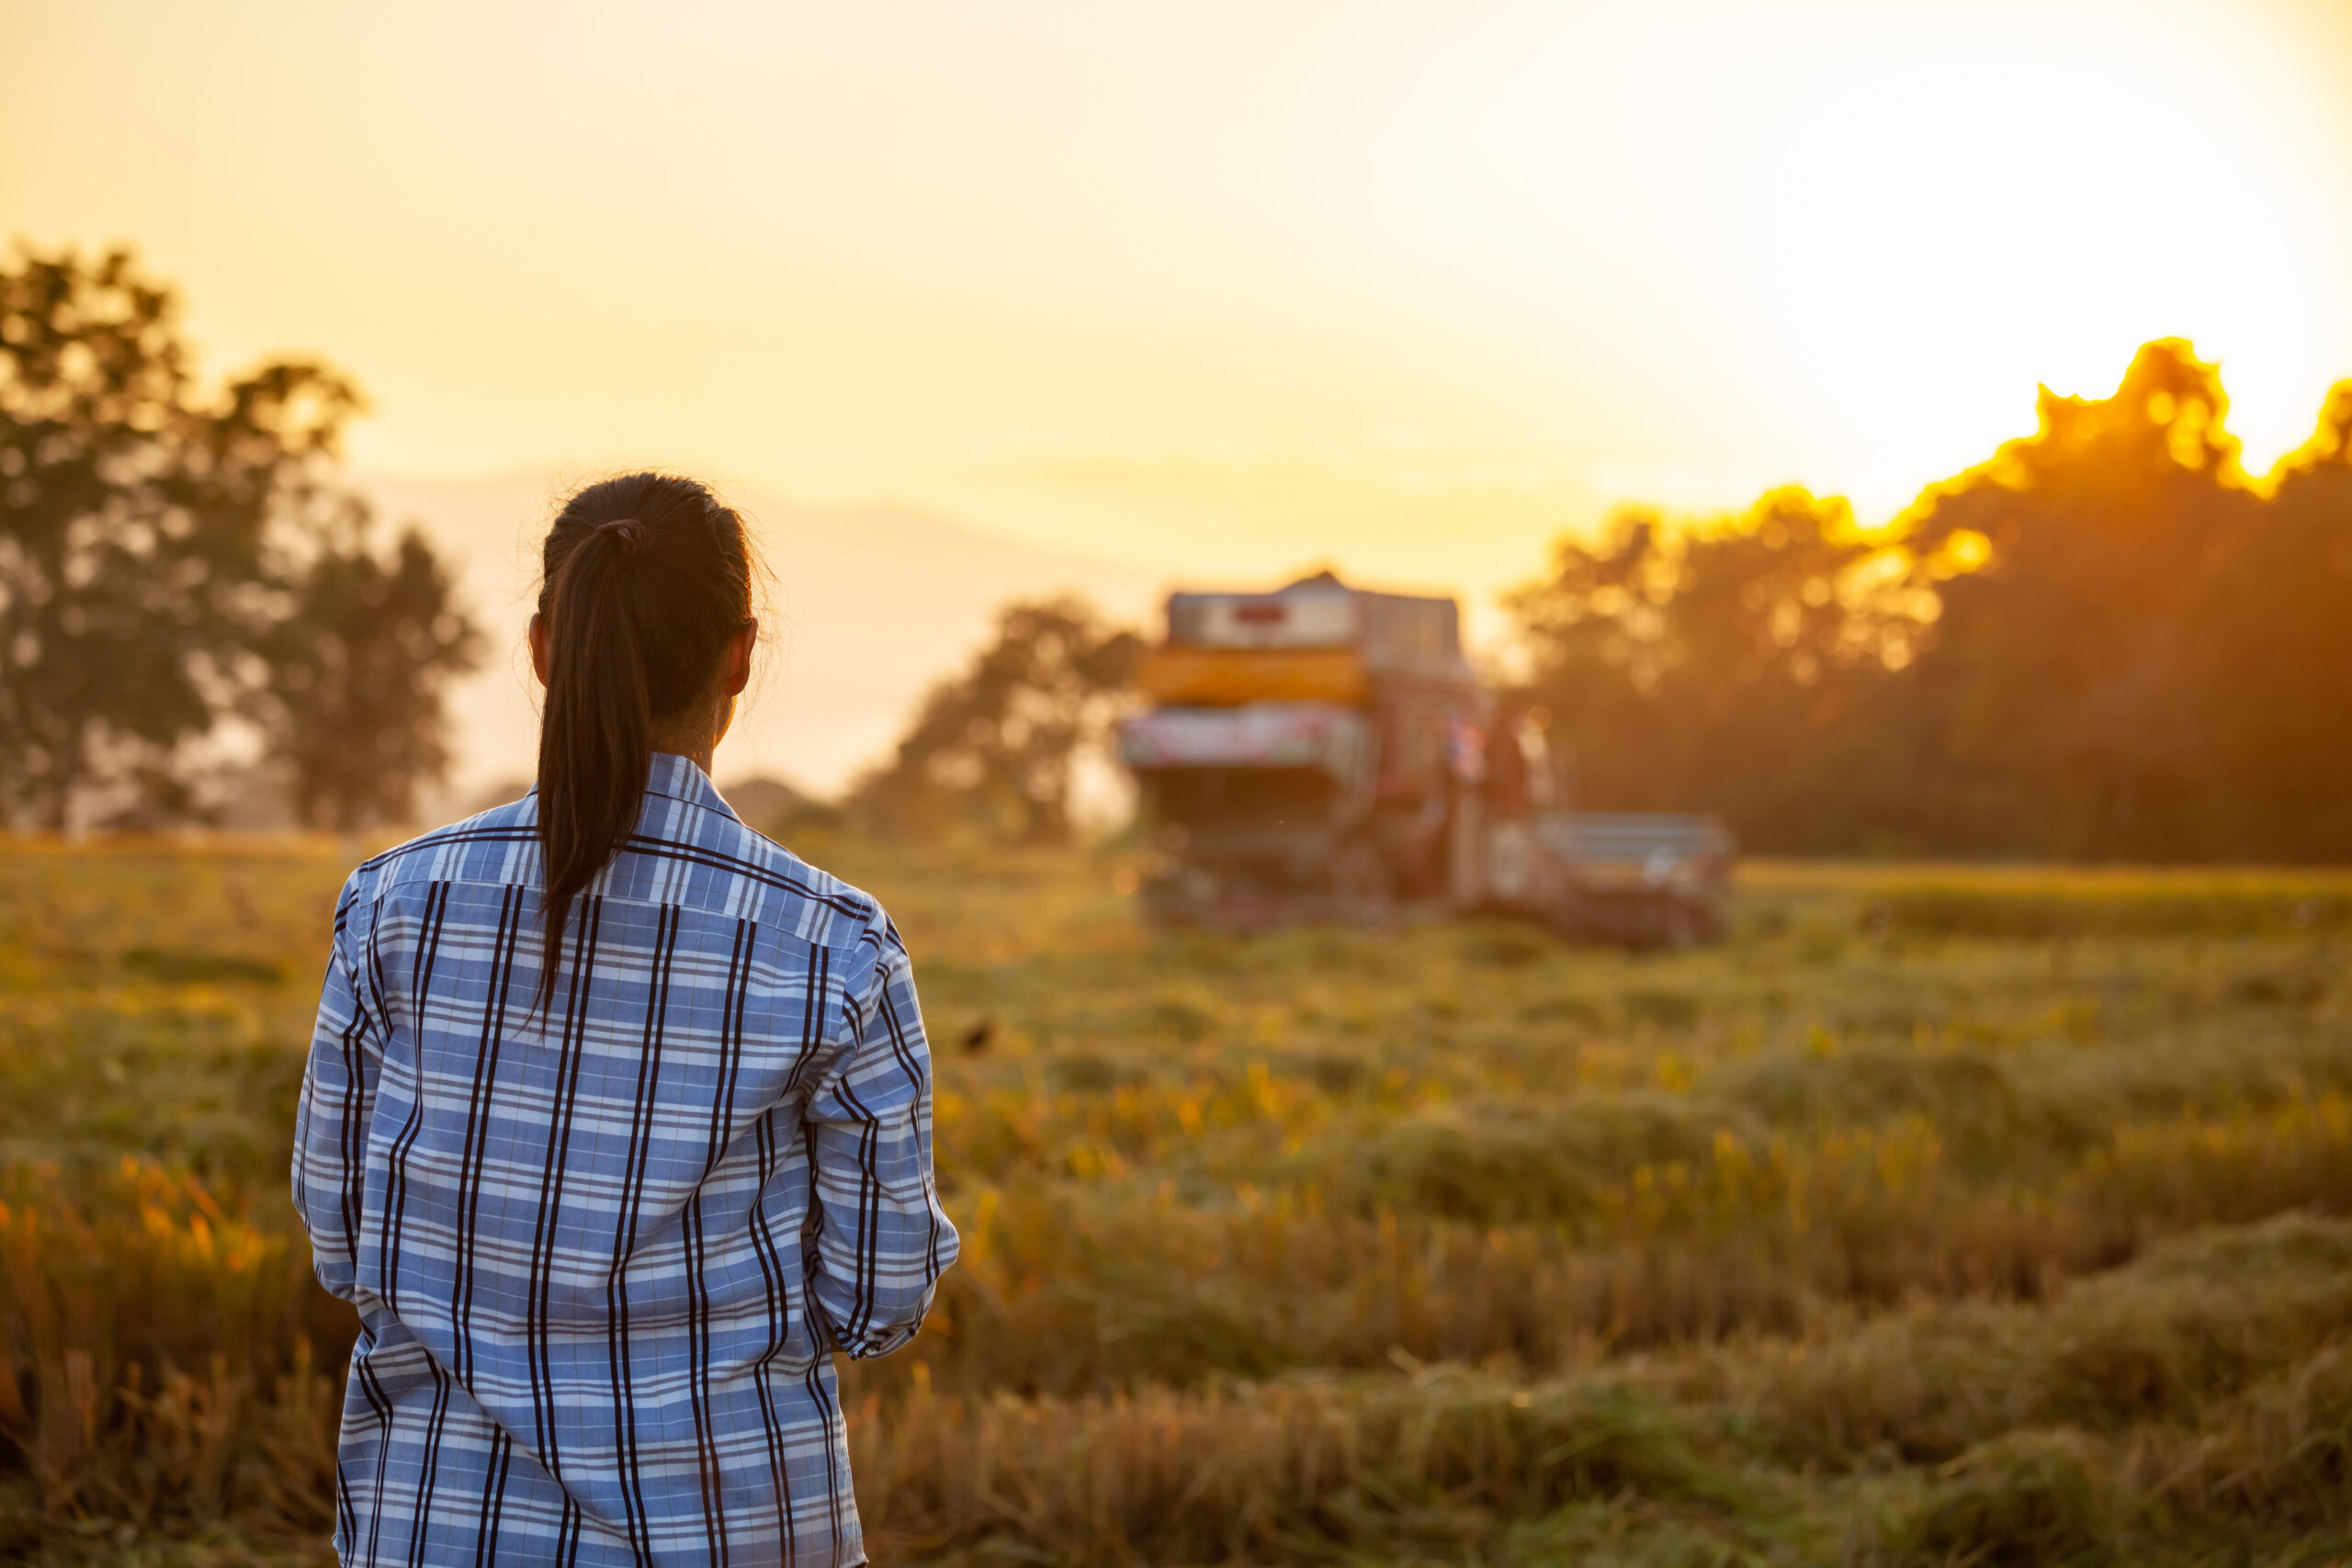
(1878, 232)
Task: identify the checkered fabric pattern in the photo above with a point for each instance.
(600, 1255)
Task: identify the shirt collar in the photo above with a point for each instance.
(680, 779)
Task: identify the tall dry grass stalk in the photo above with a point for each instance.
(2157, 1398)
(1257, 1473)
(148, 1319)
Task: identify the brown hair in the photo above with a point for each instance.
(646, 578)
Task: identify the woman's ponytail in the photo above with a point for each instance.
(647, 578)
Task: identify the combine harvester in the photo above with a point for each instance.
(1323, 753)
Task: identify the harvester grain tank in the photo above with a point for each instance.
(1322, 752)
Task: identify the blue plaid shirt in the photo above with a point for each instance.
(600, 1256)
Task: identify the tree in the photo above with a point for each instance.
(995, 748)
(2071, 693)
(2104, 642)
(154, 536)
(358, 672)
(1741, 648)
(2280, 689)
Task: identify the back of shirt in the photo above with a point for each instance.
(600, 1250)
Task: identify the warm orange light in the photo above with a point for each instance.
(1403, 287)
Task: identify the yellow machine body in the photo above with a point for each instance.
(1175, 675)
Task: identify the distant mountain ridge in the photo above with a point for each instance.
(870, 605)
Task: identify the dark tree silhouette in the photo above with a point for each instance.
(1752, 644)
(2104, 642)
(2279, 694)
(993, 748)
(359, 671)
(2071, 684)
(153, 535)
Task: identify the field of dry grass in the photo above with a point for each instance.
(1944, 1215)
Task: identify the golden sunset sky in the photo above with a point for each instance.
(1216, 289)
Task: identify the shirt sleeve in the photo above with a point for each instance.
(331, 1119)
(881, 1240)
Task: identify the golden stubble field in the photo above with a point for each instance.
(1944, 1215)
